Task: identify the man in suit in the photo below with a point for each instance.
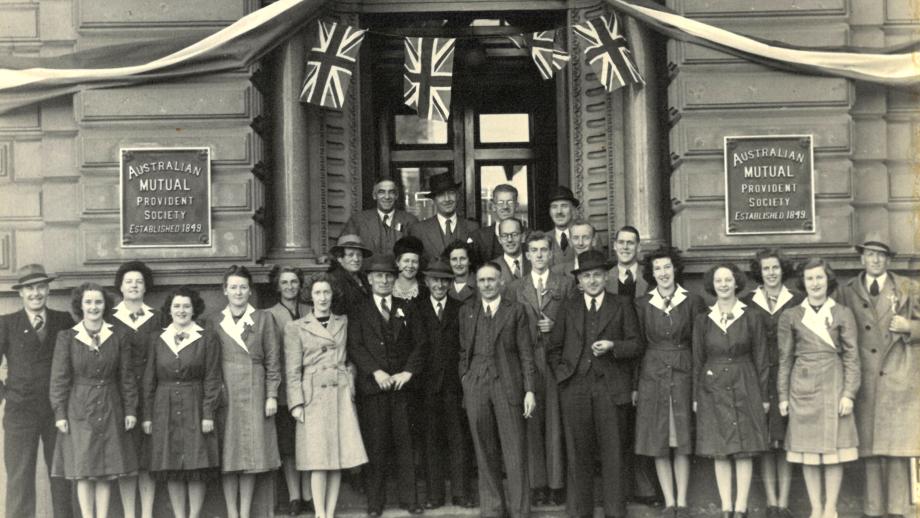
(592, 343)
(504, 204)
(27, 340)
(388, 359)
(887, 311)
(542, 293)
(514, 265)
(497, 375)
(582, 239)
(562, 205)
(627, 279)
(445, 226)
(380, 227)
(437, 331)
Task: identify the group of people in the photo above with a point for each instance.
(426, 341)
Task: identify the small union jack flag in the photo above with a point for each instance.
(429, 70)
(607, 52)
(547, 55)
(331, 63)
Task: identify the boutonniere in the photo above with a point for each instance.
(247, 330)
(398, 227)
(399, 313)
(893, 300)
(469, 240)
(828, 322)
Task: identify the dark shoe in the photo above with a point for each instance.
(669, 512)
(740, 514)
(539, 497)
(295, 507)
(307, 506)
(726, 514)
(462, 501)
(650, 501)
(682, 512)
(374, 513)
(784, 512)
(434, 504)
(557, 496)
(414, 508)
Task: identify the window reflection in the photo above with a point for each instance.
(410, 129)
(413, 180)
(493, 175)
(500, 128)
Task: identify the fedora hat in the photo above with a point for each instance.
(592, 260)
(351, 241)
(874, 241)
(440, 183)
(439, 270)
(381, 263)
(561, 193)
(32, 274)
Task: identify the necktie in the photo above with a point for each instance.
(180, 337)
(873, 289)
(95, 340)
(667, 304)
(385, 309)
(448, 230)
(517, 269)
(488, 311)
(135, 316)
(38, 323)
(771, 301)
(564, 242)
(629, 277)
(540, 290)
(439, 310)
(593, 305)
(726, 317)
(386, 220)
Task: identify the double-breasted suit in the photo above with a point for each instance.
(389, 346)
(446, 429)
(545, 445)
(497, 370)
(434, 239)
(592, 388)
(27, 413)
(887, 406)
(374, 234)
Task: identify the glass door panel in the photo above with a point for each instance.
(413, 180)
(491, 175)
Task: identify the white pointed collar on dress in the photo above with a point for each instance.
(680, 295)
(83, 335)
(122, 313)
(235, 329)
(760, 298)
(716, 316)
(193, 332)
(819, 322)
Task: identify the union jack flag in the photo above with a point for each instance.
(607, 52)
(429, 69)
(548, 56)
(330, 64)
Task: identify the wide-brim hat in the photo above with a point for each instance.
(351, 241)
(560, 193)
(438, 269)
(408, 244)
(32, 274)
(875, 242)
(381, 263)
(592, 260)
(440, 183)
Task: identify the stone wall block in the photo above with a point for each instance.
(707, 88)
(60, 202)
(186, 100)
(164, 13)
(21, 202)
(738, 8)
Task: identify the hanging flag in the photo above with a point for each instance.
(607, 52)
(546, 54)
(331, 63)
(429, 70)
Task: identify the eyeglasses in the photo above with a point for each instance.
(505, 203)
(513, 235)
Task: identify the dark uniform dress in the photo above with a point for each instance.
(664, 411)
(139, 327)
(757, 299)
(730, 371)
(92, 387)
(181, 388)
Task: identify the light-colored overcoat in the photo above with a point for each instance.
(888, 404)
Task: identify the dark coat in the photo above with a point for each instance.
(613, 277)
(374, 234)
(349, 291)
(372, 349)
(506, 276)
(559, 256)
(618, 323)
(439, 341)
(466, 293)
(513, 350)
(28, 358)
(486, 242)
(434, 241)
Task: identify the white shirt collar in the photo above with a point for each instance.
(509, 260)
(716, 316)
(235, 329)
(443, 221)
(881, 281)
(599, 298)
(459, 285)
(559, 233)
(193, 332)
(381, 214)
(493, 306)
(380, 298)
(679, 295)
(497, 233)
(820, 322)
(83, 335)
(537, 277)
(634, 268)
(31, 315)
(760, 298)
(124, 314)
(435, 302)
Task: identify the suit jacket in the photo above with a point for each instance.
(565, 268)
(557, 291)
(559, 256)
(511, 338)
(439, 341)
(28, 358)
(349, 291)
(374, 234)
(507, 277)
(434, 241)
(613, 281)
(372, 349)
(618, 323)
(486, 242)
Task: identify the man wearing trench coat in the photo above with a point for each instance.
(887, 311)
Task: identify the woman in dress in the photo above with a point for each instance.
(181, 395)
(770, 269)
(250, 355)
(819, 376)
(287, 282)
(94, 398)
(664, 417)
(349, 284)
(321, 392)
(730, 371)
(140, 323)
(461, 259)
(408, 252)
